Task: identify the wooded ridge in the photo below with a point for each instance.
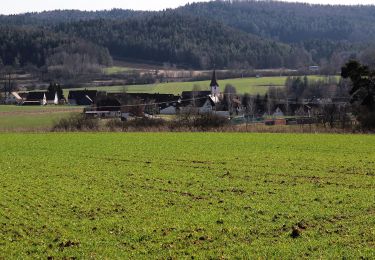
(224, 34)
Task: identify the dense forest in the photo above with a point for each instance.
(181, 39)
(222, 34)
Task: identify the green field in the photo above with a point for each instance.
(116, 70)
(46, 109)
(32, 118)
(185, 195)
(243, 85)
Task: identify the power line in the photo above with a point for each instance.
(225, 94)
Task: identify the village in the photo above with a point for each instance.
(127, 106)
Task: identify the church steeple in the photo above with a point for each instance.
(213, 80)
(215, 91)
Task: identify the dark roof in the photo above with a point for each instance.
(31, 103)
(163, 100)
(80, 96)
(213, 80)
(195, 94)
(108, 104)
(198, 102)
(157, 98)
(39, 95)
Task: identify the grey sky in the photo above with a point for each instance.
(21, 6)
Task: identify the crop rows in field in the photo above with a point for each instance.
(187, 195)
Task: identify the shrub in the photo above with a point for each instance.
(76, 122)
(115, 124)
(205, 121)
(145, 123)
(138, 123)
(366, 119)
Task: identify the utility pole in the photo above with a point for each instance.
(9, 86)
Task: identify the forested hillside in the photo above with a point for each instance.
(181, 39)
(225, 34)
(291, 22)
(63, 16)
(21, 46)
(323, 31)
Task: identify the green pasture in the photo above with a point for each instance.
(50, 108)
(115, 70)
(31, 118)
(29, 122)
(187, 196)
(243, 85)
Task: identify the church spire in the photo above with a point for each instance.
(215, 91)
(213, 80)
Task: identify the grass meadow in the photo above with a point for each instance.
(185, 195)
(243, 85)
(32, 118)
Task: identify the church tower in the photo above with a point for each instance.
(215, 90)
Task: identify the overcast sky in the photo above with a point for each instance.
(22, 6)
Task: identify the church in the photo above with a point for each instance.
(202, 101)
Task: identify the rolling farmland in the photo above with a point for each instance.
(184, 195)
(243, 85)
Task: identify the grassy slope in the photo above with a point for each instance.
(14, 118)
(182, 195)
(29, 122)
(243, 85)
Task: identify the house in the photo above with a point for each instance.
(314, 68)
(196, 102)
(41, 98)
(278, 113)
(104, 107)
(37, 98)
(82, 97)
(169, 110)
(152, 103)
(107, 103)
(13, 98)
(200, 105)
(237, 105)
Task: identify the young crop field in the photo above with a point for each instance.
(187, 195)
(243, 85)
(30, 118)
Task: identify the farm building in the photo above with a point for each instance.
(278, 113)
(13, 98)
(40, 98)
(153, 103)
(82, 97)
(107, 103)
(104, 107)
(196, 101)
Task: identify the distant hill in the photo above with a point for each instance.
(181, 39)
(225, 34)
(64, 16)
(291, 22)
(22, 45)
